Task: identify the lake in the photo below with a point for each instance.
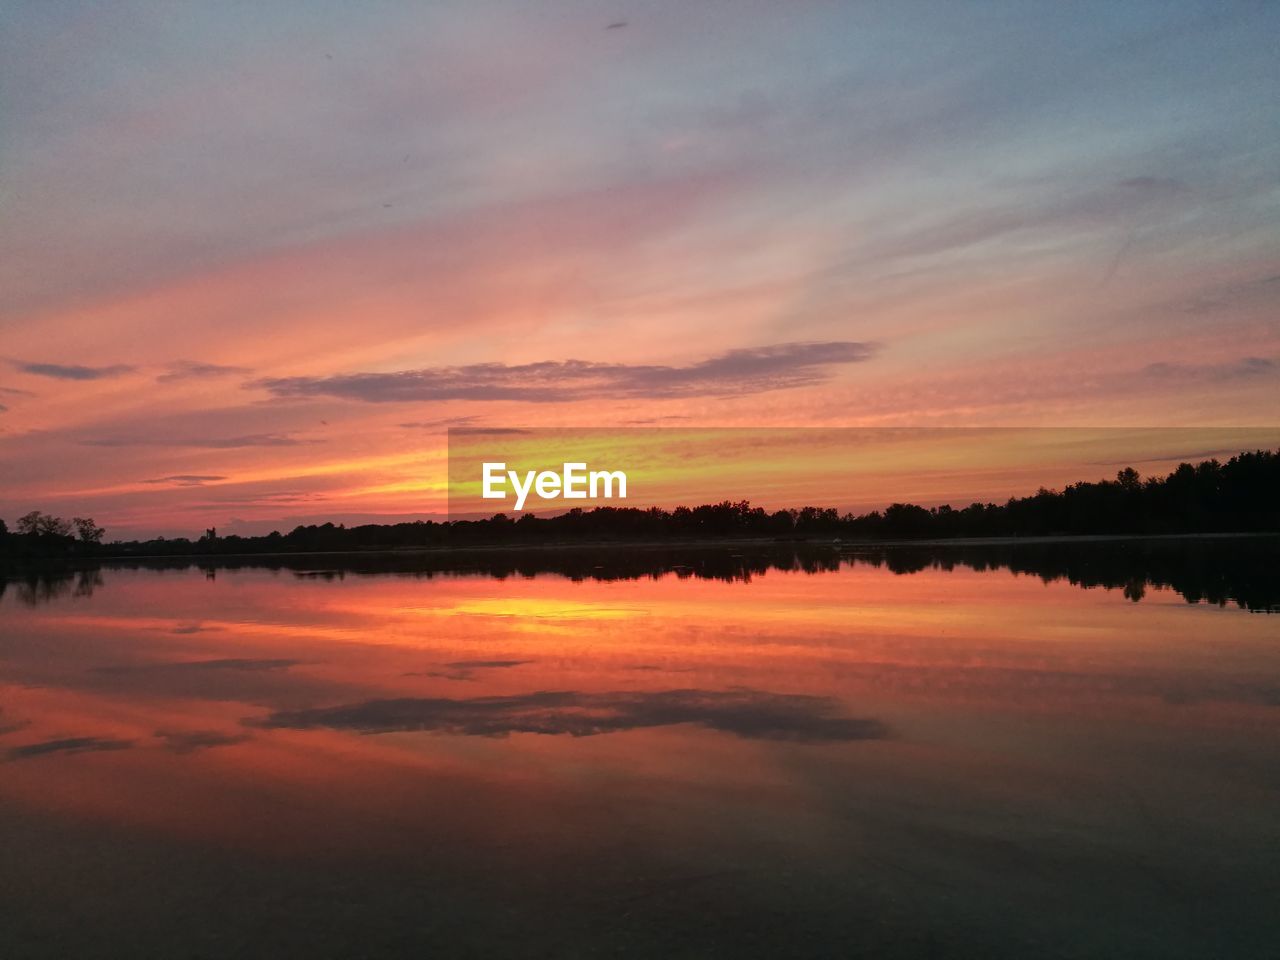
(1012, 751)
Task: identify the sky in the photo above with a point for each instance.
(256, 259)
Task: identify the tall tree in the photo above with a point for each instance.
(89, 531)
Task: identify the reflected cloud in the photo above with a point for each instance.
(750, 714)
(466, 669)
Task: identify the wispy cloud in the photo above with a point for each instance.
(67, 745)
(466, 669)
(486, 664)
(193, 627)
(258, 495)
(186, 479)
(208, 443)
(651, 421)
(1246, 368)
(737, 372)
(189, 741)
(182, 666)
(12, 726)
(442, 423)
(1258, 291)
(195, 370)
(61, 371)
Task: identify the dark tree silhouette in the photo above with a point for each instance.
(1239, 496)
(89, 531)
(40, 524)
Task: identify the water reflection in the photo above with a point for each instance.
(1219, 570)
(1244, 571)
(35, 587)
(700, 753)
(753, 714)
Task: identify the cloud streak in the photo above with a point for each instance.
(240, 664)
(442, 423)
(67, 745)
(186, 479)
(1246, 368)
(12, 726)
(734, 373)
(194, 370)
(750, 714)
(205, 443)
(61, 371)
(466, 669)
(190, 741)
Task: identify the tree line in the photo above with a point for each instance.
(1237, 496)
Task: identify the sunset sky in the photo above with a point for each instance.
(256, 259)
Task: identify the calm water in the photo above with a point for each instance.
(647, 754)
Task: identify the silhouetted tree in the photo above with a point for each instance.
(43, 525)
(89, 531)
(1237, 496)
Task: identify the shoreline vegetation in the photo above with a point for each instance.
(1216, 568)
(1207, 499)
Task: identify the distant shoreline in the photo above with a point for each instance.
(1191, 503)
(1220, 568)
(835, 543)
